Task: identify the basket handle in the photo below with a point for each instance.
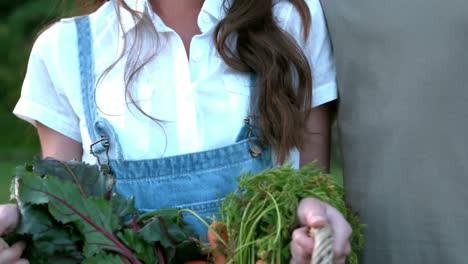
(323, 250)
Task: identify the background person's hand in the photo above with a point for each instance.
(9, 218)
(313, 213)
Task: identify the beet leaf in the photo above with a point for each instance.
(88, 179)
(70, 215)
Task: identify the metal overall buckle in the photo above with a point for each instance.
(104, 166)
(255, 148)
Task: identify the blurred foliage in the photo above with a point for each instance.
(20, 22)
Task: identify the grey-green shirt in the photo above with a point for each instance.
(403, 122)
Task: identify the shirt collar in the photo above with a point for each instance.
(214, 8)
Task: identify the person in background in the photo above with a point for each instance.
(402, 71)
(206, 89)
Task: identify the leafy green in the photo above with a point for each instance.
(143, 250)
(123, 207)
(169, 230)
(261, 214)
(104, 258)
(67, 203)
(87, 178)
(69, 215)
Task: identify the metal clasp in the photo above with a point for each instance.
(255, 148)
(104, 166)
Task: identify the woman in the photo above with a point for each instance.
(176, 98)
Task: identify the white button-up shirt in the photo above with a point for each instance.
(200, 99)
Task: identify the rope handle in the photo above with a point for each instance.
(323, 250)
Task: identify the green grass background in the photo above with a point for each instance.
(18, 144)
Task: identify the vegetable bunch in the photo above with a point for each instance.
(260, 215)
(70, 215)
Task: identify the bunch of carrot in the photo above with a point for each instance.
(216, 234)
(259, 217)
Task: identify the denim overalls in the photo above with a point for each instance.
(197, 181)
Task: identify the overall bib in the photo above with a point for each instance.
(196, 181)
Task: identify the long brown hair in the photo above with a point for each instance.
(284, 80)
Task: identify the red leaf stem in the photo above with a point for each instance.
(160, 253)
(135, 225)
(166, 229)
(80, 188)
(124, 250)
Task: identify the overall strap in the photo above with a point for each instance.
(253, 109)
(99, 129)
(88, 80)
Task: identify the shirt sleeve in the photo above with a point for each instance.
(318, 50)
(41, 99)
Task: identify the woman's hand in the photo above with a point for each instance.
(9, 218)
(313, 213)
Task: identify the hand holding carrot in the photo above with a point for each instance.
(313, 213)
(266, 207)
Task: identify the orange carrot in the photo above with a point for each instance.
(217, 246)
